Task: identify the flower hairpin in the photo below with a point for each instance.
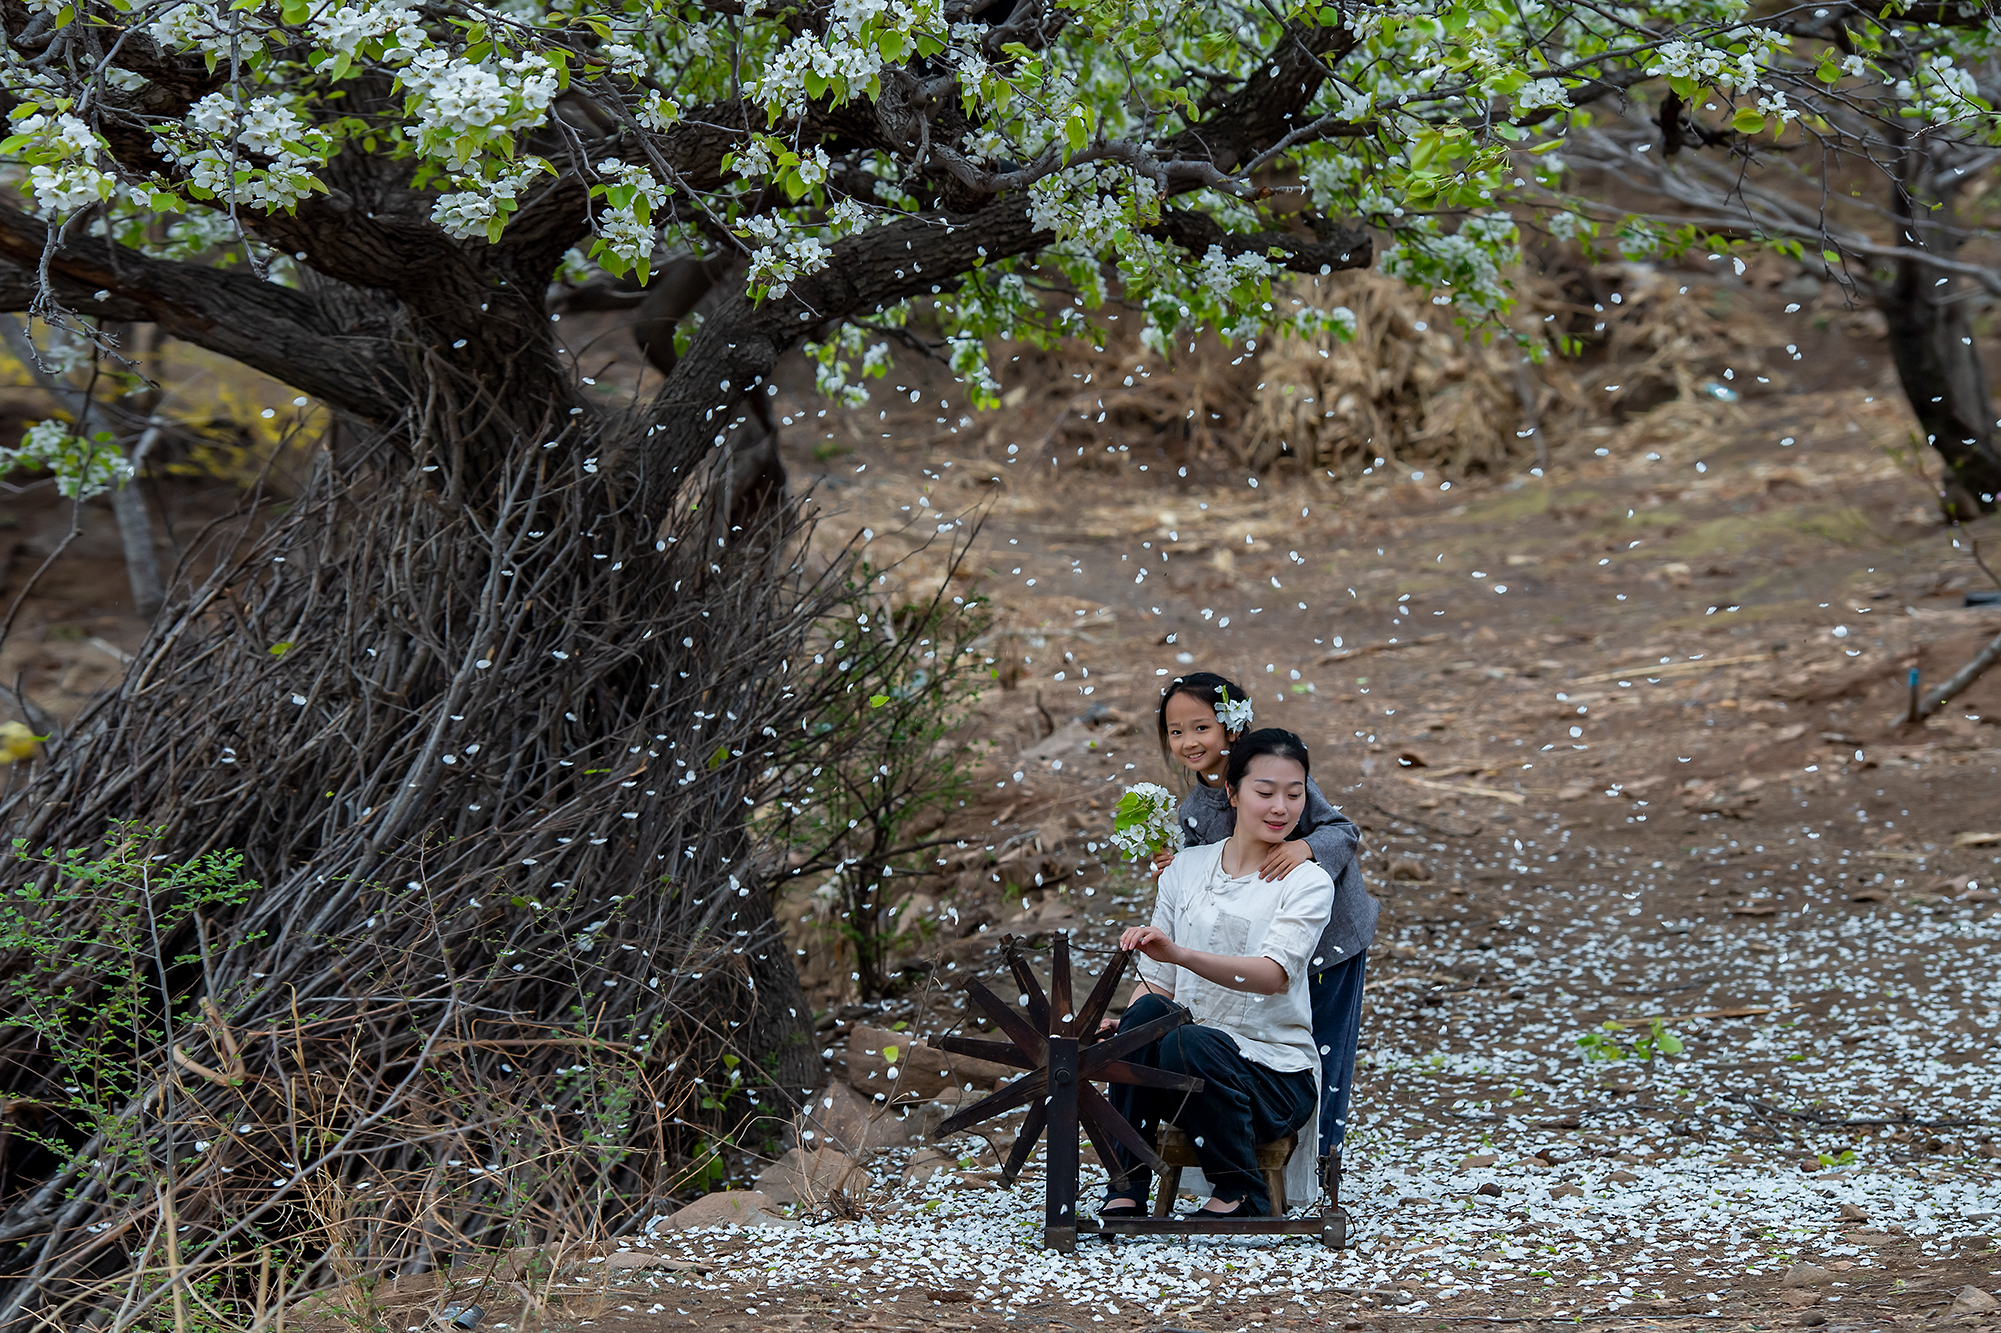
(1234, 714)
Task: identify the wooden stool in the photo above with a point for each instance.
(1177, 1151)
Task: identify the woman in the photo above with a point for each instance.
(1235, 949)
(1194, 734)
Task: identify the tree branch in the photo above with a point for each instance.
(265, 326)
(1338, 248)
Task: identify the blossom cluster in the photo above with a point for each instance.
(221, 141)
(82, 467)
(1145, 821)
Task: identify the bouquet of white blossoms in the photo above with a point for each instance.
(1145, 822)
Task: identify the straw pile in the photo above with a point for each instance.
(1414, 389)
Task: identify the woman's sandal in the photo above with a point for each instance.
(1199, 1211)
(1112, 1212)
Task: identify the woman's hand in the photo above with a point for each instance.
(1285, 858)
(1151, 941)
(1162, 859)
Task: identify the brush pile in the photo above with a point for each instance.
(449, 922)
(1416, 390)
(1411, 387)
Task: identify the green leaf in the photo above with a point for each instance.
(890, 1053)
(1748, 120)
(280, 648)
(722, 752)
(877, 700)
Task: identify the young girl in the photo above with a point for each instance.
(1235, 946)
(1201, 716)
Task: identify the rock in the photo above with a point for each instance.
(1623, 1178)
(1812, 1319)
(810, 1176)
(1972, 1300)
(1853, 1213)
(731, 1208)
(619, 1261)
(916, 1072)
(1475, 1163)
(842, 1118)
(1800, 1297)
(1405, 868)
(1806, 1275)
(926, 1162)
(1490, 1189)
(1566, 1192)
(1575, 791)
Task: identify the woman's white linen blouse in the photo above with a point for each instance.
(1201, 908)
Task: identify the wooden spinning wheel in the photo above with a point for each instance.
(1060, 1049)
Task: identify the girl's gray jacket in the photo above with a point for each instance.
(1207, 816)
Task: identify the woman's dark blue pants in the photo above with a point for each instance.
(1242, 1104)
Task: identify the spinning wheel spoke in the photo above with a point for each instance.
(1101, 998)
(1031, 1130)
(1038, 1003)
(1060, 1011)
(1120, 1071)
(1101, 1115)
(1017, 1093)
(1031, 1042)
(1103, 1148)
(999, 1052)
(1114, 1048)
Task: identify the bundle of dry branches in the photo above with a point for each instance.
(1409, 387)
(1413, 388)
(509, 949)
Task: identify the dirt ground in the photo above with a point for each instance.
(1623, 742)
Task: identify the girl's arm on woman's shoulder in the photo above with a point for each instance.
(1331, 834)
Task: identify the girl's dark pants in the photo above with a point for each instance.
(1241, 1105)
(1336, 994)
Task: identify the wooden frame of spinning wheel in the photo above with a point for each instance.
(1059, 1048)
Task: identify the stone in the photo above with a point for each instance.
(842, 1118)
(1567, 1192)
(1972, 1300)
(1475, 1163)
(619, 1261)
(1623, 1178)
(926, 1162)
(1800, 1297)
(1812, 1319)
(1806, 1275)
(812, 1175)
(917, 1072)
(1490, 1189)
(731, 1208)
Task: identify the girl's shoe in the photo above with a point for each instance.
(1113, 1212)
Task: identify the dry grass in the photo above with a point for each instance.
(1413, 388)
(1408, 387)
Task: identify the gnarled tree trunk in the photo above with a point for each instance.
(1931, 342)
